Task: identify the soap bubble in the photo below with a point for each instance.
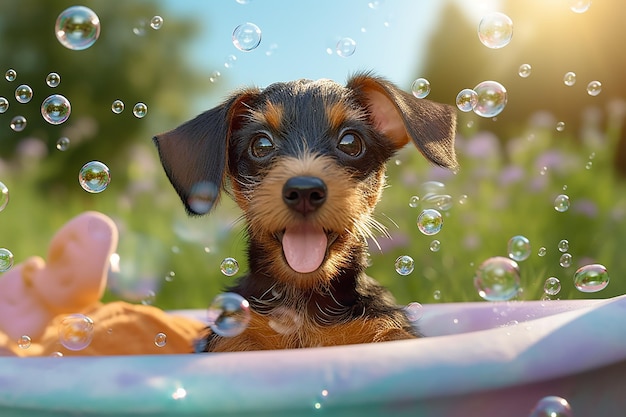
(563, 245)
(497, 279)
(156, 22)
(76, 331)
(24, 342)
(6, 259)
(519, 248)
(466, 100)
(491, 98)
(579, 6)
(23, 94)
(430, 222)
(246, 37)
(56, 109)
(594, 88)
(10, 75)
(552, 286)
(140, 27)
(560, 126)
(345, 47)
(420, 87)
(229, 314)
(437, 295)
(404, 265)
(202, 197)
(94, 177)
(561, 203)
(542, 251)
(524, 70)
(117, 106)
(414, 201)
(18, 123)
(231, 60)
(591, 278)
(569, 79)
(160, 340)
(552, 406)
(77, 28)
(495, 30)
(414, 311)
(215, 75)
(4, 105)
(435, 245)
(565, 260)
(140, 110)
(63, 143)
(229, 266)
(4, 196)
(53, 79)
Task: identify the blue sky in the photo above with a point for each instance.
(298, 35)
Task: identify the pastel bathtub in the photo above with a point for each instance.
(480, 359)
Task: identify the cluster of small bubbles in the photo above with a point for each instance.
(76, 331)
(524, 70)
(591, 278)
(414, 201)
(561, 203)
(63, 143)
(18, 123)
(588, 165)
(542, 251)
(23, 93)
(491, 99)
(53, 79)
(560, 126)
(552, 406)
(563, 245)
(435, 245)
(160, 340)
(594, 88)
(579, 6)
(202, 197)
(497, 279)
(246, 37)
(569, 79)
(148, 298)
(229, 314)
(404, 265)
(4, 196)
(552, 286)
(565, 260)
(466, 100)
(140, 110)
(117, 106)
(231, 60)
(56, 109)
(169, 277)
(140, 27)
(4, 104)
(10, 74)
(345, 47)
(519, 248)
(463, 199)
(430, 222)
(229, 266)
(414, 311)
(77, 28)
(420, 87)
(24, 342)
(156, 22)
(543, 171)
(215, 75)
(495, 30)
(94, 177)
(437, 295)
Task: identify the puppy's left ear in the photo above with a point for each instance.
(402, 117)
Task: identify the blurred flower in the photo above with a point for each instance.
(510, 175)
(585, 207)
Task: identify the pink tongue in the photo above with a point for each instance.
(304, 247)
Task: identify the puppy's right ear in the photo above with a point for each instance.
(194, 155)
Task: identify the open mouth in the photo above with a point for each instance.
(305, 246)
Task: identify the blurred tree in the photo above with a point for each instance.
(130, 61)
(553, 40)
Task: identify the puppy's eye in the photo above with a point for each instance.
(261, 146)
(351, 144)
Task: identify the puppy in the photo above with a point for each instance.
(305, 162)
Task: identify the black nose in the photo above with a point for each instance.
(304, 194)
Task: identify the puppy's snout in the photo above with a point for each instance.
(304, 194)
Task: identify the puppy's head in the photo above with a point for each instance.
(305, 161)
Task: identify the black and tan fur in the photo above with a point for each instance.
(308, 155)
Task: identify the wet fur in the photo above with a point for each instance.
(337, 303)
